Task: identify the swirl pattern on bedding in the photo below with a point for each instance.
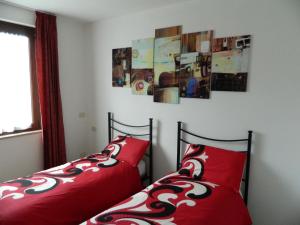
(183, 197)
(50, 179)
(156, 204)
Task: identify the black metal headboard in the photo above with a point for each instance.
(180, 131)
(112, 128)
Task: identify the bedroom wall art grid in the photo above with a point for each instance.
(174, 65)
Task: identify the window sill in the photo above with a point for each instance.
(20, 134)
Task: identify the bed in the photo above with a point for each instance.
(193, 195)
(77, 190)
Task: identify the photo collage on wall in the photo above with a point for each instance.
(174, 65)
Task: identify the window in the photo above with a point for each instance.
(19, 106)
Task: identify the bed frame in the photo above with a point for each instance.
(181, 131)
(111, 128)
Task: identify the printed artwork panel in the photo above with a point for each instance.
(142, 53)
(197, 42)
(121, 67)
(168, 31)
(230, 61)
(142, 76)
(195, 65)
(195, 73)
(142, 81)
(166, 69)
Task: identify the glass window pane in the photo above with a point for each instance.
(15, 83)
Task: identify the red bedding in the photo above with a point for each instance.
(178, 199)
(67, 194)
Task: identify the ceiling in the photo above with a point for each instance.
(91, 10)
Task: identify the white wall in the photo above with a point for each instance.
(16, 15)
(270, 107)
(20, 156)
(73, 83)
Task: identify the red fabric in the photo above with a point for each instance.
(220, 166)
(49, 91)
(67, 194)
(177, 199)
(128, 149)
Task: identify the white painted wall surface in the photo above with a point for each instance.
(20, 156)
(73, 83)
(270, 107)
(16, 15)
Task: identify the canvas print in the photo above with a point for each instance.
(195, 65)
(230, 60)
(166, 69)
(121, 67)
(197, 42)
(142, 75)
(168, 31)
(195, 72)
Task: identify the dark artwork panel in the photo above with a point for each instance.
(195, 65)
(121, 67)
(195, 74)
(230, 63)
(229, 82)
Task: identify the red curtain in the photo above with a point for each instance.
(49, 92)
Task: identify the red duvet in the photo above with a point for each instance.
(68, 194)
(178, 199)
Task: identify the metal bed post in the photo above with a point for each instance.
(178, 144)
(112, 128)
(109, 127)
(248, 153)
(247, 173)
(150, 151)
